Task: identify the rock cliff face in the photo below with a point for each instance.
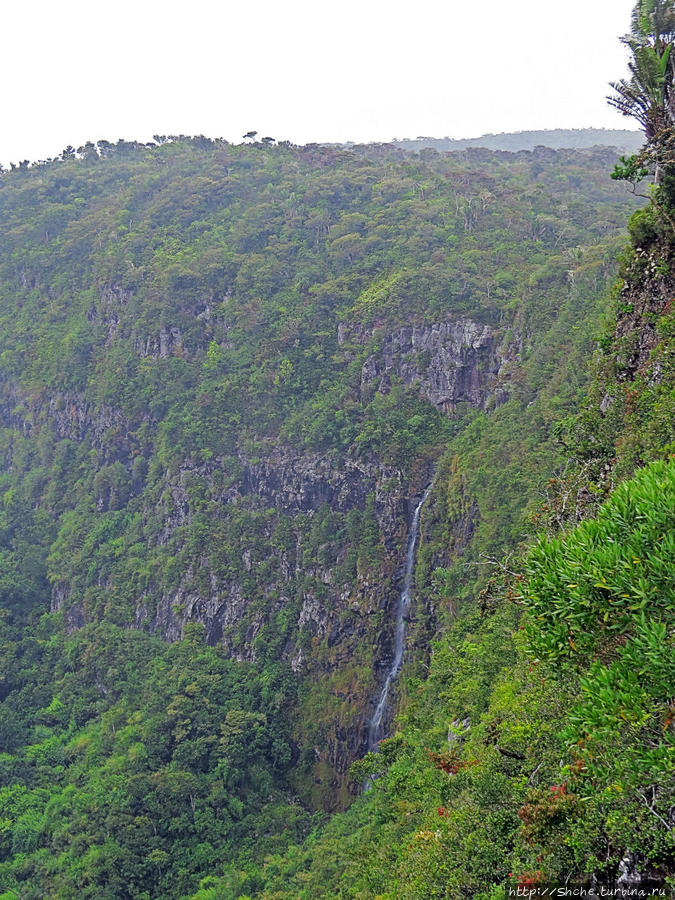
(74, 418)
(318, 538)
(634, 383)
(294, 482)
(337, 613)
(452, 362)
(114, 309)
(67, 414)
(644, 301)
(296, 486)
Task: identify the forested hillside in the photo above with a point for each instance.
(537, 752)
(227, 374)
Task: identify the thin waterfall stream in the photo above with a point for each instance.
(375, 726)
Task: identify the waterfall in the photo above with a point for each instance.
(375, 725)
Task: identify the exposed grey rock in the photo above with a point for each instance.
(74, 618)
(629, 876)
(74, 417)
(452, 362)
(224, 606)
(60, 594)
(109, 310)
(457, 731)
(296, 485)
(636, 330)
(169, 342)
(303, 482)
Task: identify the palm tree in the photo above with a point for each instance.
(649, 95)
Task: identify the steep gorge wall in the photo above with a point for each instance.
(454, 362)
(630, 412)
(334, 589)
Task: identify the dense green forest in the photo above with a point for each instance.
(227, 372)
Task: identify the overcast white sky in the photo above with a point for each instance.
(303, 70)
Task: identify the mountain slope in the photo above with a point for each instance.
(538, 748)
(226, 374)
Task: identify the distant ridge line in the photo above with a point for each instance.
(557, 139)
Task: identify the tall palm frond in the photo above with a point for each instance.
(649, 95)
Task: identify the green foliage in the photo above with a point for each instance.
(481, 788)
(176, 316)
(647, 95)
(586, 588)
(154, 763)
(629, 168)
(643, 227)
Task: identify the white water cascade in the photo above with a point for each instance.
(375, 726)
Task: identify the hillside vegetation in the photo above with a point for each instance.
(226, 372)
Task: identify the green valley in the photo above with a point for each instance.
(227, 374)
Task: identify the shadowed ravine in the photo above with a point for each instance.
(375, 731)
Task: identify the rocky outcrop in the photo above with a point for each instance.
(115, 308)
(70, 415)
(304, 482)
(219, 610)
(290, 482)
(74, 417)
(644, 299)
(168, 342)
(628, 416)
(451, 362)
(109, 310)
(336, 614)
